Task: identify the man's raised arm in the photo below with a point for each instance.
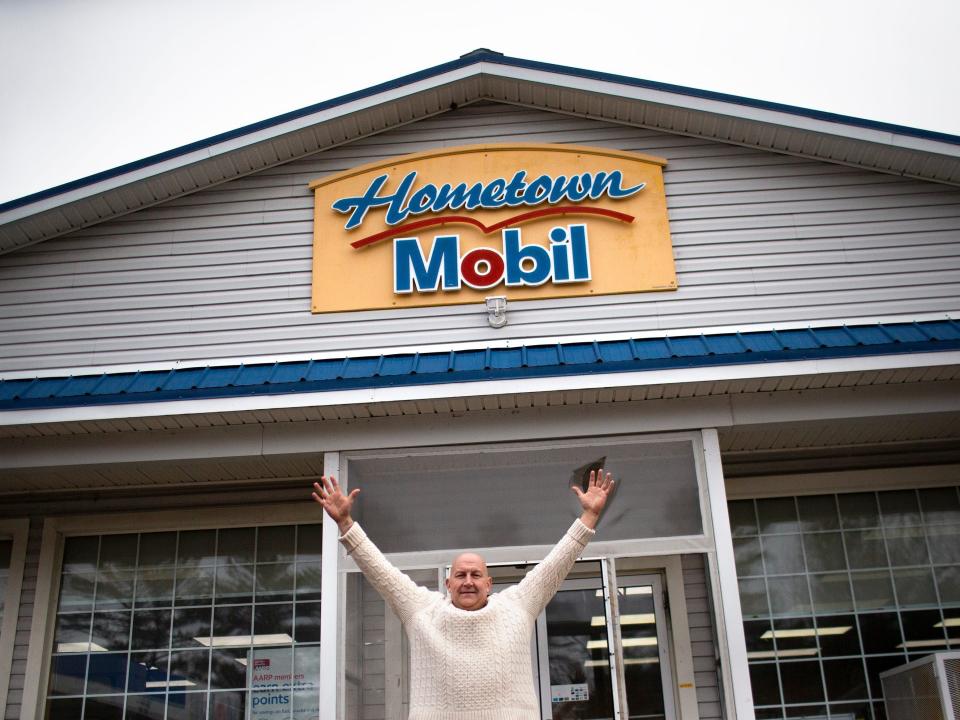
(396, 588)
(542, 583)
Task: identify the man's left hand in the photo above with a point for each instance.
(595, 498)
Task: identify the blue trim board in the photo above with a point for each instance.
(472, 58)
(527, 361)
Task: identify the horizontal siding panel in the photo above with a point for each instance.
(273, 327)
(100, 271)
(704, 664)
(158, 234)
(158, 247)
(843, 222)
(810, 270)
(270, 344)
(924, 276)
(788, 181)
(708, 695)
(846, 234)
(147, 277)
(801, 200)
(225, 272)
(229, 217)
(699, 620)
(181, 294)
(735, 251)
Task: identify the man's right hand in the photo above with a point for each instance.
(327, 492)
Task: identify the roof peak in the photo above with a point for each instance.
(481, 74)
(480, 52)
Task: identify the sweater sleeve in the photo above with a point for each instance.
(401, 593)
(542, 583)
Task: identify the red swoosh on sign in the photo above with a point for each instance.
(466, 220)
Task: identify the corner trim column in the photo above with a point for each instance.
(17, 530)
(329, 605)
(44, 607)
(734, 670)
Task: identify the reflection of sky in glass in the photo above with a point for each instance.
(571, 638)
(167, 622)
(876, 583)
(641, 652)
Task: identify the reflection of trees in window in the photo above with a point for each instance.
(155, 624)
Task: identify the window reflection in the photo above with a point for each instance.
(148, 672)
(194, 586)
(104, 708)
(578, 653)
(165, 625)
(154, 587)
(107, 673)
(145, 707)
(874, 585)
(111, 630)
(151, 629)
(641, 652)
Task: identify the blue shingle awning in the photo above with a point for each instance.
(528, 361)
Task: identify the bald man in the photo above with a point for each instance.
(469, 650)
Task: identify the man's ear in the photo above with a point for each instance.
(489, 583)
(446, 583)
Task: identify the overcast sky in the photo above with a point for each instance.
(86, 85)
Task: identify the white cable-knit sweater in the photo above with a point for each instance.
(470, 664)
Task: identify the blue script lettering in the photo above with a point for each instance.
(406, 201)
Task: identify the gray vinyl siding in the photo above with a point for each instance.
(702, 638)
(225, 273)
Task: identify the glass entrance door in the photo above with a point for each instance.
(647, 683)
(601, 654)
(574, 662)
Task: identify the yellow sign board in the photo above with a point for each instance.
(528, 221)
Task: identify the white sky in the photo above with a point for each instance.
(86, 85)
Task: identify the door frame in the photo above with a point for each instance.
(654, 554)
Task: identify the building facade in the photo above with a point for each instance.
(769, 367)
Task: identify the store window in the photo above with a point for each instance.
(836, 589)
(220, 624)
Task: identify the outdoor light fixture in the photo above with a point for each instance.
(496, 310)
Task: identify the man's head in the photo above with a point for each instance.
(469, 584)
